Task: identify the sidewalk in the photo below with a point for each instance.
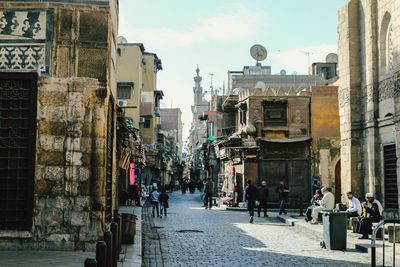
(131, 255)
(362, 245)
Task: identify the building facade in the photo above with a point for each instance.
(57, 94)
(369, 65)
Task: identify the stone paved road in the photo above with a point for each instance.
(193, 236)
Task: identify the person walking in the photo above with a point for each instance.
(163, 202)
(262, 197)
(283, 193)
(154, 197)
(209, 191)
(250, 197)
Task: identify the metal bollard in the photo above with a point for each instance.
(115, 253)
(101, 254)
(90, 262)
(118, 220)
(301, 206)
(108, 239)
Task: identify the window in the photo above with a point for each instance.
(243, 114)
(275, 113)
(146, 123)
(124, 90)
(390, 177)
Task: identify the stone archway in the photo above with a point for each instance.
(338, 185)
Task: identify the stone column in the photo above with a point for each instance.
(349, 98)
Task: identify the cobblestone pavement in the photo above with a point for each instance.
(193, 236)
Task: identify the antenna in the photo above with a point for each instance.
(211, 83)
(308, 53)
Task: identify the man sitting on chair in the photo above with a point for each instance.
(326, 203)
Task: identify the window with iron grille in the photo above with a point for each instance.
(390, 177)
(275, 113)
(17, 149)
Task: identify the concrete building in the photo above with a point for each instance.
(369, 67)
(57, 95)
(171, 120)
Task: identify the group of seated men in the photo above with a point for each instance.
(366, 213)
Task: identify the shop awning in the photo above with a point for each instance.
(287, 140)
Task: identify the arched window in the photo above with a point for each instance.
(386, 44)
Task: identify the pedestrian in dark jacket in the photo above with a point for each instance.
(250, 197)
(283, 193)
(208, 192)
(163, 198)
(262, 197)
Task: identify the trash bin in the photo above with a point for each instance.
(128, 228)
(335, 230)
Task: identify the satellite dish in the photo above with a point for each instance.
(282, 72)
(122, 40)
(331, 58)
(258, 52)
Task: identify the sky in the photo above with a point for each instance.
(217, 35)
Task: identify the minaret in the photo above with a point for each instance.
(197, 89)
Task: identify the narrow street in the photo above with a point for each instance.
(193, 236)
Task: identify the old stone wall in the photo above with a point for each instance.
(369, 48)
(77, 44)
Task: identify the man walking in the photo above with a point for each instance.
(262, 197)
(250, 197)
(209, 191)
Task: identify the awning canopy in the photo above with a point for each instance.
(287, 140)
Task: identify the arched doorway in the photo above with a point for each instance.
(338, 184)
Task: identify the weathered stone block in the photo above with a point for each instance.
(73, 144)
(52, 98)
(59, 143)
(46, 142)
(92, 63)
(58, 238)
(83, 173)
(52, 128)
(51, 157)
(53, 113)
(73, 158)
(82, 203)
(79, 218)
(71, 188)
(54, 173)
(93, 27)
(71, 172)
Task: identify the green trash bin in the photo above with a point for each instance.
(335, 230)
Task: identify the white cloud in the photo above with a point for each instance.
(299, 59)
(235, 24)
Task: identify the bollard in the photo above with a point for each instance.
(101, 254)
(118, 220)
(301, 207)
(108, 239)
(115, 253)
(90, 262)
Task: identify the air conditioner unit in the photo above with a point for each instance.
(142, 120)
(122, 103)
